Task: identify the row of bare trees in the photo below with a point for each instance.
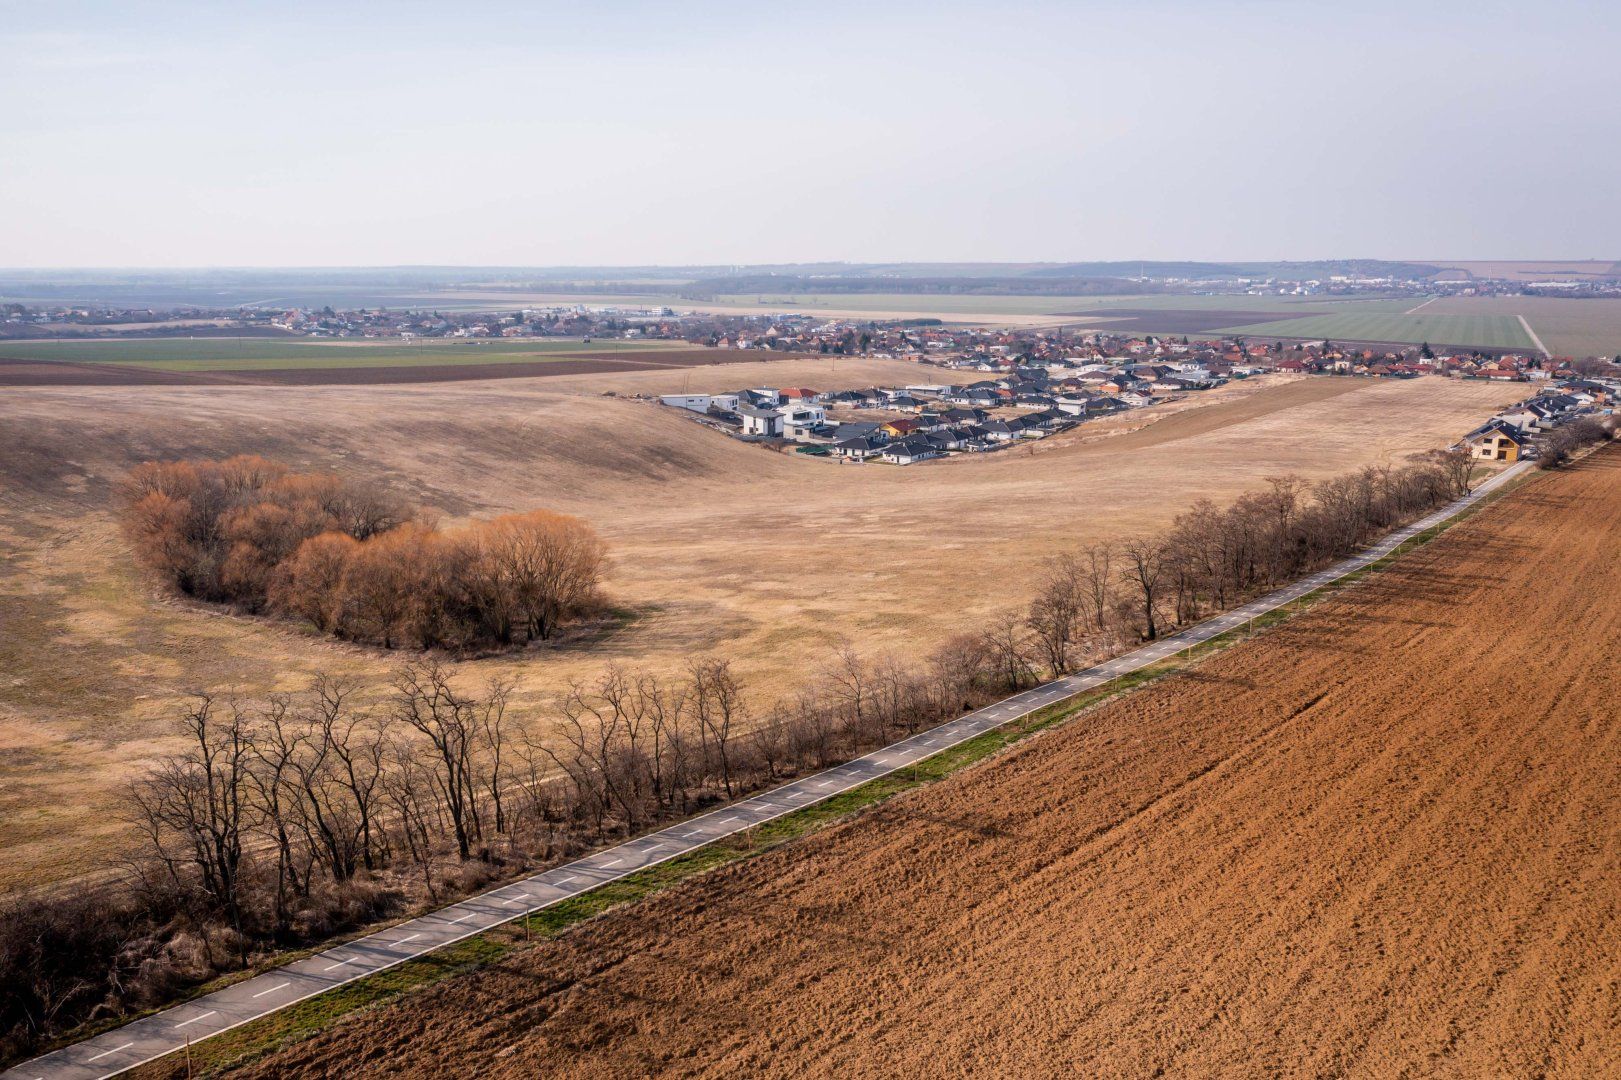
(283, 820)
(1104, 597)
(347, 558)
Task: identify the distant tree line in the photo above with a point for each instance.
(282, 821)
(352, 560)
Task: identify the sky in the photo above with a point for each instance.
(629, 133)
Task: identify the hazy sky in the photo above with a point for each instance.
(474, 132)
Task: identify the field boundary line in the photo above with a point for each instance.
(375, 953)
(1532, 334)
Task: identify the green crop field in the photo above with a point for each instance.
(978, 304)
(1247, 302)
(913, 303)
(1463, 331)
(1569, 327)
(260, 354)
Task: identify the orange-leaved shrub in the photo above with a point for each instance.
(351, 560)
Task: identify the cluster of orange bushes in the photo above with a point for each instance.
(350, 559)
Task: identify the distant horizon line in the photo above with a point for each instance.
(317, 267)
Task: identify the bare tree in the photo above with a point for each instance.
(1282, 505)
(1144, 571)
(1457, 465)
(956, 669)
(597, 726)
(669, 744)
(407, 788)
(847, 683)
(338, 775)
(1058, 609)
(1096, 568)
(1006, 644)
(427, 703)
(196, 808)
(275, 746)
(717, 701)
(493, 741)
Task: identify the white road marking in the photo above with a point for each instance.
(464, 918)
(403, 940)
(110, 1053)
(273, 989)
(341, 963)
(193, 1020)
(565, 880)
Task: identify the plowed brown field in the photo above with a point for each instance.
(1382, 840)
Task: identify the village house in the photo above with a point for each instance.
(764, 422)
(964, 416)
(1599, 392)
(1522, 417)
(1497, 441)
(691, 402)
(898, 429)
(861, 447)
(909, 450)
(802, 422)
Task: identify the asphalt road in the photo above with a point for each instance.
(162, 1033)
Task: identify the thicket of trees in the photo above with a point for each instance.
(350, 559)
(1565, 441)
(285, 820)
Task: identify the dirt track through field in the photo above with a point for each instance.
(1382, 840)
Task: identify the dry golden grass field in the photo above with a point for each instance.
(1381, 840)
(716, 546)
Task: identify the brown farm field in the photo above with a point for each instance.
(247, 362)
(1383, 839)
(1532, 269)
(717, 546)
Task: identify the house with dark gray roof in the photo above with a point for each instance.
(911, 449)
(861, 447)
